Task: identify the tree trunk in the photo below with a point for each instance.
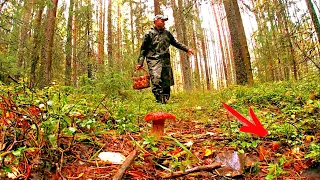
(291, 53)
(156, 7)
(36, 46)
(119, 38)
(132, 33)
(197, 26)
(23, 36)
(69, 45)
(196, 62)
(314, 18)
(110, 35)
(227, 51)
(224, 64)
(101, 34)
(239, 57)
(89, 51)
(243, 41)
(205, 59)
(46, 62)
(75, 52)
(181, 36)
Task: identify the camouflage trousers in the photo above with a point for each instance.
(162, 78)
(162, 94)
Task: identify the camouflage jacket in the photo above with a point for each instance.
(156, 44)
(155, 47)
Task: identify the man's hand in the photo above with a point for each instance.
(190, 51)
(138, 67)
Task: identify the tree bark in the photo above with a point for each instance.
(74, 50)
(283, 17)
(314, 18)
(119, 38)
(156, 7)
(101, 34)
(228, 57)
(110, 35)
(36, 46)
(196, 62)
(181, 36)
(197, 26)
(243, 41)
(224, 64)
(205, 59)
(24, 33)
(46, 62)
(239, 57)
(69, 45)
(89, 50)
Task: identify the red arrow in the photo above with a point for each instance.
(249, 127)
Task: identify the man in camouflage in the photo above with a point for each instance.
(155, 48)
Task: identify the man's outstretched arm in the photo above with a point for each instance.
(179, 45)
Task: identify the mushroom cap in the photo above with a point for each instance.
(159, 116)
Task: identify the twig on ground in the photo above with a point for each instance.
(125, 165)
(191, 170)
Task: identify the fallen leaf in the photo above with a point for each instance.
(274, 146)
(262, 153)
(208, 152)
(309, 138)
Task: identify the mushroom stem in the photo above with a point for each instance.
(158, 128)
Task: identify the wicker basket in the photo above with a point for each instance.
(141, 82)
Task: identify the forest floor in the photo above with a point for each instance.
(263, 158)
(56, 134)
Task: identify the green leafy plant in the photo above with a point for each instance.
(314, 152)
(275, 169)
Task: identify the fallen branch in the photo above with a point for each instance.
(125, 165)
(191, 170)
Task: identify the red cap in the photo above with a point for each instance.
(159, 116)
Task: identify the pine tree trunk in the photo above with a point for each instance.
(314, 18)
(239, 58)
(156, 7)
(243, 41)
(110, 35)
(291, 53)
(132, 34)
(119, 38)
(46, 62)
(195, 38)
(101, 35)
(227, 51)
(74, 50)
(205, 59)
(23, 36)
(89, 51)
(69, 45)
(36, 46)
(196, 62)
(181, 36)
(224, 64)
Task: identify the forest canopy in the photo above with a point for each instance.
(235, 42)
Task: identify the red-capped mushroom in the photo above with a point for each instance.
(158, 119)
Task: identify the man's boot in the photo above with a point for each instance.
(164, 99)
(158, 98)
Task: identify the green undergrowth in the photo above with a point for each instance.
(290, 111)
(286, 103)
